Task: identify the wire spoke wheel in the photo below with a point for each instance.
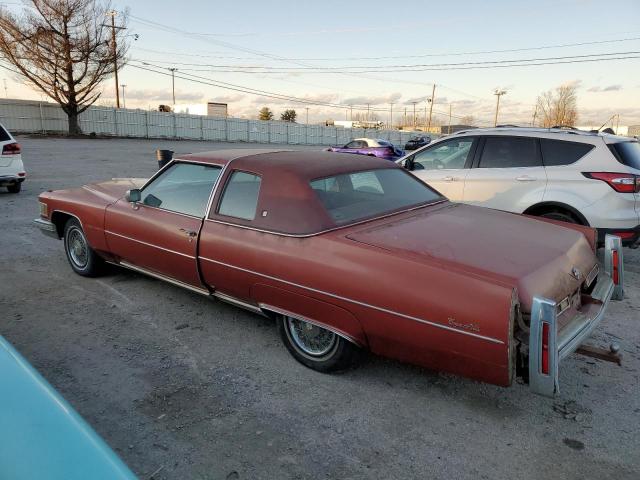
(77, 248)
(311, 339)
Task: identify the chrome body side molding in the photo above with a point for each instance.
(159, 276)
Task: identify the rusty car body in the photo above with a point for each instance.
(350, 252)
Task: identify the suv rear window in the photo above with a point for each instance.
(4, 136)
(560, 152)
(627, 153)
(509, 152)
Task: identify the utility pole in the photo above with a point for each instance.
(173, 85)
(414, 115)
(307, 109)
(449, 129)
(124, 102)
(432, 100)
(617, 122)
(498, 93)
(368, 105)
(391, 117)
(114, 49)
(404, 122)
(425, 115)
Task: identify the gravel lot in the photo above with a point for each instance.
(183, 387)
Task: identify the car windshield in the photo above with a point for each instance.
(366, 194)
(627, 153)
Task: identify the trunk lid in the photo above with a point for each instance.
(536, 257)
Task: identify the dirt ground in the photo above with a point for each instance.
(184, 387)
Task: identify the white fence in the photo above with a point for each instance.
(20, 116)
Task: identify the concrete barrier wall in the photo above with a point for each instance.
(20, 116)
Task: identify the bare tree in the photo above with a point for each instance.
(64, 48)
(468, 120)
(558, 107)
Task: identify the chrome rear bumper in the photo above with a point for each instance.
(547, 346)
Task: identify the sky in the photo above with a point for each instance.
(325, 52)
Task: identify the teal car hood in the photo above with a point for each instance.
(41, 435)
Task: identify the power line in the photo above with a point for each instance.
(263, 93)
(412, 67)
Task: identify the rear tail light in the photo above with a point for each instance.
(11, 149)
(616, 270)
(544, 357)
(620, 182)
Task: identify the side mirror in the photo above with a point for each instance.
(409, 164)
(133, 195)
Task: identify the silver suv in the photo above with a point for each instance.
(570, 175)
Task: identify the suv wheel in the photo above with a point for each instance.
(562, 216)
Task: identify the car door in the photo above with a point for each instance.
(507, 174)
(160, 233)
(445, 164)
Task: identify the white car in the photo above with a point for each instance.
(12, 172)
(570, 175)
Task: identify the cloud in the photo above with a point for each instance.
(572, 83)
(161, 95)
(227, 98)
(314, 98)
(609, 88)
(377, 100)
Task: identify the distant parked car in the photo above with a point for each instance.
(42, 436)
(588, 178)
(417, 142)
(12, 172)
(370, 146)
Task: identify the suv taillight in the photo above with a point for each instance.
(11, 149)
(620, 182)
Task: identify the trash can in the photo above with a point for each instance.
(164, 157)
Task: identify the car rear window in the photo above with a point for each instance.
(627, 153)
(4, 135)
(560, 152)
(356, 196)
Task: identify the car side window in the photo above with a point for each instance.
(240, 197)
(182, 188)
(352, 144)
(509, 152)
(450, 154)
(561, 152)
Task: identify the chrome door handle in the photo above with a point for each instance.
(449, 178)
(525, 178)
(189, 233)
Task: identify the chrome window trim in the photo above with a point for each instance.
(381, 309)
(226, 185)
(150, 244)
(143, 205)
(178, 160)
(320, 232)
